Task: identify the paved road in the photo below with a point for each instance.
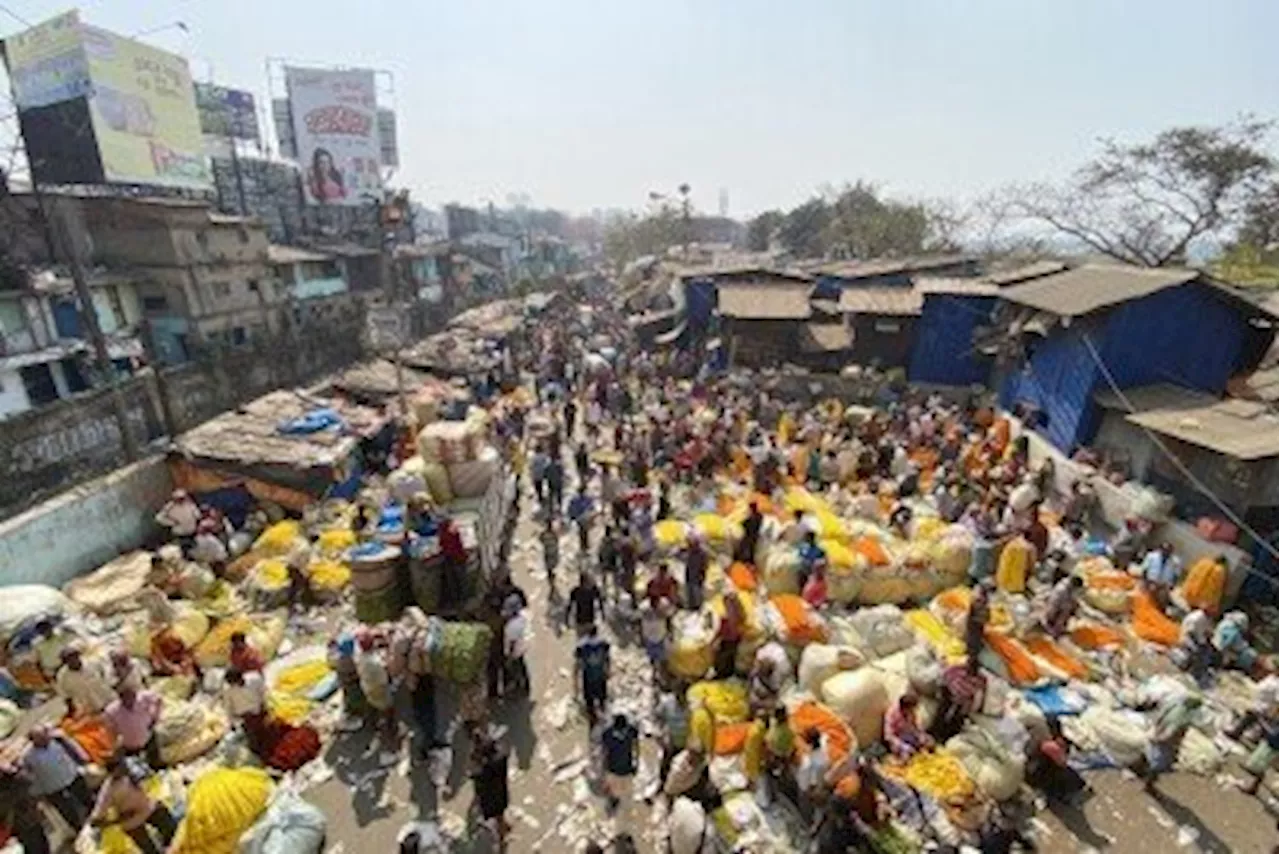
(368, 803)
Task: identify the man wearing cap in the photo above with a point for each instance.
(181, 515)
(85, 687)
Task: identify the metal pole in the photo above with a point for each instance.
(63, 231)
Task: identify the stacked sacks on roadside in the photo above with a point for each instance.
(993, 755)
(1106, 588)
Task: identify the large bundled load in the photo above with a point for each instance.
(187, 623)
(451, 442)
(793, 621)
(113, 586)
(995, 764)
(25, 604)
(691, 649)
(846, 570)
(952, 554)
(457, 651)
(263, 631)
(222, 804)
(670, 535)
(1122, 735)
(860, 698)
(471, 478)
(819, 662)
(1106, 588)
(882, 630)
(279, 540)
(782, 570)
(188, 729)
(720, 534)
(289, 826)
(434, 475)
(937, 773)
(725, 699)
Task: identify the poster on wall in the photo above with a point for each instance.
(336, 132)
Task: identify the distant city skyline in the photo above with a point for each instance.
(581, 106)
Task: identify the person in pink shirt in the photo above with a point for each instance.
(132, 718)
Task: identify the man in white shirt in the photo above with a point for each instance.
(515, 641)
(245, 698)
(811, 774)
(85, 687)
(181, 515)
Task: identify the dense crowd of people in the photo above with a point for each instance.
(616, 442)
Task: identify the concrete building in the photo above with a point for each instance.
(45, 354)
(305, 273)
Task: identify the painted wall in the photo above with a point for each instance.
(943, 351)
(84, 528)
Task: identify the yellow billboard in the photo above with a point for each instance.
(144, 112)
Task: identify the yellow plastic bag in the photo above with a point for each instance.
(264, 632)
(831, 527)
(702, 728)
(302, 678)
(221, 805)
(725, 699)
(1015, 560)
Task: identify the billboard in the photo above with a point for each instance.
(226, 112)
(389, 149)
(335, 128)
(141, 104)
(47, 63)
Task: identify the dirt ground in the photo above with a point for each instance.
(368, 803)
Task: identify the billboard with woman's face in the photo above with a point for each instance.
(335, 125)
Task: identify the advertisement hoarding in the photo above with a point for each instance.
(47, 63)
(144, 113)
(335, 127)
(141, 102)
(387, 144)
(226, 112)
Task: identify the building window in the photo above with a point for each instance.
(38, 380)
(117, 307)
(155, 304)
(887, 326)
(239, 337)
(319, 270)
(75, 377)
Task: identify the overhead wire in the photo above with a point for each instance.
(1177, 463)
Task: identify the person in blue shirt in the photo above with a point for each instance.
(579, 511)
(810, 554)
(620, 743)
(1161, 569)
(592, 661)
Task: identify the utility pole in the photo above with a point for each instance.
(64, 235)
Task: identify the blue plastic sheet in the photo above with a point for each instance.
(1052, 700)
(312, 422)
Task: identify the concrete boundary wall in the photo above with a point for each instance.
(84, 527)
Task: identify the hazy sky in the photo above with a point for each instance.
(593, 104)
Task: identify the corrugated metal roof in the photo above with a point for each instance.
(825, 338)
(772, 301)
(277, 254)
(1076, 292)
(1242, 429)
(889, 301)
(957, 287)
(1026, 272)
(888, 266)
